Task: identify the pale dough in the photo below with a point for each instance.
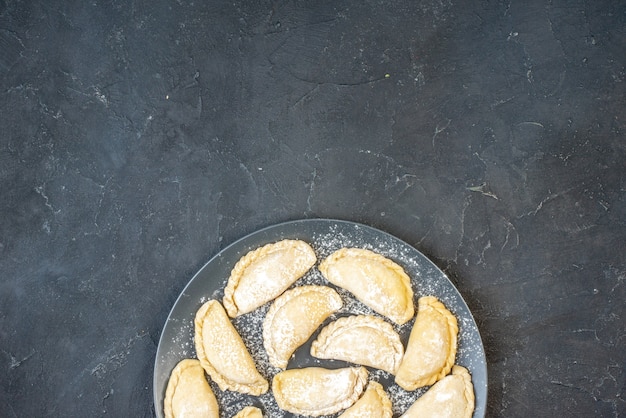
(249, 412)
(293, 317)
(222, 353)
(188, 394)
(431, 350)
(263, 274)
(360, 339)
(451, 397)
(373, 279)
(374, 403)
(318, 391)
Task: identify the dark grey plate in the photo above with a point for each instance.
(325, 236)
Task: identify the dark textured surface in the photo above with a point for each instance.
(139, 138)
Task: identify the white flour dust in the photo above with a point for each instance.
(426, 280)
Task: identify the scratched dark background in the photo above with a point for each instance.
(138, 138)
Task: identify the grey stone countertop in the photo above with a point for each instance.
(138, 139)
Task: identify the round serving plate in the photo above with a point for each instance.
(325, 236)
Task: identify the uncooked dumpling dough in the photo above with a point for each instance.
(451, 397)
(373, 279)
(249, 412)
(431, 350)
(360, 339)
(293, 317)
(264, 273)
(373, 404)
(222, 353)
(317, 391)
(188, 394)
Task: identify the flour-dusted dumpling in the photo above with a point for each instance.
(264, 273)
(317, 391)
(249, 412)
(360, 339)
(373, 279)
(293, 317)
(451, 397)
(222, 353)
(374, 403)
(431, 350)
(188, 393)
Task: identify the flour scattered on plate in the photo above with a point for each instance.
(325, 236)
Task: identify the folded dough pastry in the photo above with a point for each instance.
(431, 350)
(222, 353)
(249, 412)
(373, 279)
(451, 397)
(264, 273)
(293, 317)
(188, 393)
(317, 391)
(373, 404)
(361, 339)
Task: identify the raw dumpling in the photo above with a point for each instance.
(317, 391)
(373, 279)
(431, 349)
(373, 404)
(262, 274)
(451, 397)
(222, 353)
(360, 339)
(293, 317)
(188, 393)
(249, 412)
